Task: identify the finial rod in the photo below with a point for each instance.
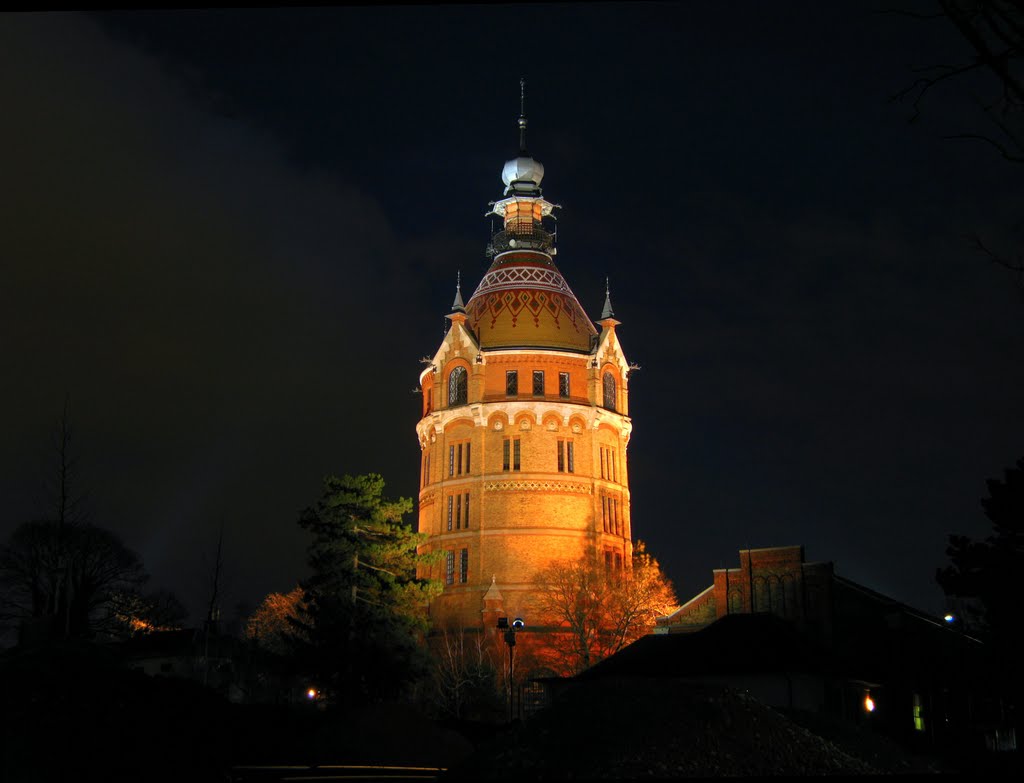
(522, 115)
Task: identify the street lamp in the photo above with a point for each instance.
(510, 640)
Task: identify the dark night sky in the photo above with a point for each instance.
(229, 236)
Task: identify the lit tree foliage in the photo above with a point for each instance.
(159, 610)
(601, 611)
(274, 622)
(363, 606)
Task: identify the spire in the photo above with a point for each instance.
(522, 116)
(607, 312)
(458, 304)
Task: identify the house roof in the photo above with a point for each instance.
(734, 644)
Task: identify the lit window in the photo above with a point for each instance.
(918, 714)
(449, 567)
(609, 391)
(563, 385)
(464, 566)
(458, 386)
(538, 383)
(511, 383)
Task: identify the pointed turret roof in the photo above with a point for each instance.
(607, 312)
(457, 305)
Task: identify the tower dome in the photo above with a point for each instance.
(522, 174)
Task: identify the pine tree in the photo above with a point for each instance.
(363, 606)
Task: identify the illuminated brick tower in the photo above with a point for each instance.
(525, 423)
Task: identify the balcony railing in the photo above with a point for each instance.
(534, 238)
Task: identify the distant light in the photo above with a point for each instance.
(311, 693)
(949, 618)
(869, 703)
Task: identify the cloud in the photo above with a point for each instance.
(194, 293)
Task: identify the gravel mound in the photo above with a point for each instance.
(642, 728)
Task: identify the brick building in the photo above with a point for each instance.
(928, 682)
(525, 423)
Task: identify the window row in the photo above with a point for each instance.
(458, 387)
(449, 566)
(609, 463)
(458, 458)
(612, 560)
(566, 457)
(611, 522)
(512, 383)
(458, 511)
(511, 453)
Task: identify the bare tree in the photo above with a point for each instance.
(61, 575)
(600, 610)
(466, 679)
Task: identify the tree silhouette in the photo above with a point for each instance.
(363, 611)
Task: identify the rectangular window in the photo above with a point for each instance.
(504, 454)
(451, 460)
(423, 480)
(608, 560)
(451, 501)
(511, 383)
(459, 461)
(458, 513)
(570, 457)
(563, 385)
(538, 383)
(561, 456)
(466, 509)
(604, 513)
(618, 561)
(918, 715)
(449, 567)
(615, 465)
(464, 566)
(602, 462)
(467, 456)
(515, 454)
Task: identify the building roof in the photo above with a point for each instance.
(523, 301)
(734, 644)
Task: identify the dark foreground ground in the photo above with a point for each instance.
(78, 715)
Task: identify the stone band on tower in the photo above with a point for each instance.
(525, 423)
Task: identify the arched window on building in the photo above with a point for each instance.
(608, 383)
(761, 587)
(458, 387)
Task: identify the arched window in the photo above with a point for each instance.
(609, 391)
(457, 387)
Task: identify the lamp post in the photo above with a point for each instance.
(510, 641)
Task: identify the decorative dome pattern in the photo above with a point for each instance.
(524, 302)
